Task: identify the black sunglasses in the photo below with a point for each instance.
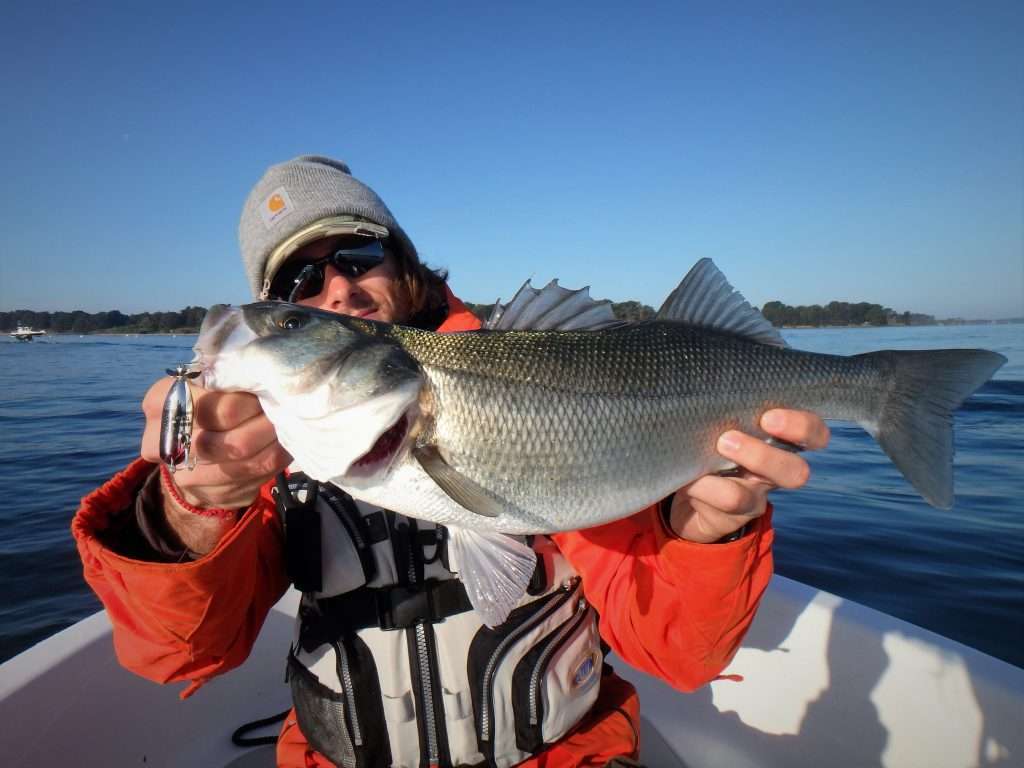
(299, 279)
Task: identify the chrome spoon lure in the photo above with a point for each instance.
(176, 420)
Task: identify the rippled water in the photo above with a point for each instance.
(70, 418)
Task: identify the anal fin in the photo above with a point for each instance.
(494, 568)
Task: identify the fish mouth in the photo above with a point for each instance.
(383, 451)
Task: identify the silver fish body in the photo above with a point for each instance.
(535, 431)
(572, 429)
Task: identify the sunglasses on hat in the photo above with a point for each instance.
(301, 279)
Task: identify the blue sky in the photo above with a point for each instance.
(816, 151)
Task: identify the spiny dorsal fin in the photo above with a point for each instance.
(552, 308)
(705, 298)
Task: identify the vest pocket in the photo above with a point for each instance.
(495, 655)
(557, 682)
(321, 715)
(347, 726)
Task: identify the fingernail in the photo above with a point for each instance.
(773, 420)
(728, 443)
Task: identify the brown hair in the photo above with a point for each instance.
(424, 287)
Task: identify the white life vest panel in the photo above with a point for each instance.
(390, 665)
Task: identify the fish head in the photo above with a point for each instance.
(332, 385)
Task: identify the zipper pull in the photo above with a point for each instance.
(570, 584)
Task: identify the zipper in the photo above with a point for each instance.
(567, 590)
(427, 688)
(350, 526)
(556, 642)
(345, 673)
(425, 663)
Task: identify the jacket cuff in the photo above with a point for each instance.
(685, 558)
(108, 523)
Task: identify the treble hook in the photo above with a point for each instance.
(176, 420)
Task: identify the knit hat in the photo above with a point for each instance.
(302, 200)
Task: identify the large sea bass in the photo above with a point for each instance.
(557, 417)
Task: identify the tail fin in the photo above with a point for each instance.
(915, 427)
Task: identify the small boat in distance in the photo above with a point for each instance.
(25, 333)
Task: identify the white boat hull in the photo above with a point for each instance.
(827, 682)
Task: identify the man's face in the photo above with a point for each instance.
(375, 295)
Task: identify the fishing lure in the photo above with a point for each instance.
(176, 420)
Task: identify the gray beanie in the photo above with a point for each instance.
(302, 200)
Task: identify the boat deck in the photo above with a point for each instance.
(825, 682)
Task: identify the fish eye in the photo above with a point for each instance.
(291, 322)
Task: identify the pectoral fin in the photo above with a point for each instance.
(465, 492)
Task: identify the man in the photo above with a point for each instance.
(390, 666)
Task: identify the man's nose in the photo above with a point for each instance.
(335, 280)
(339, 286)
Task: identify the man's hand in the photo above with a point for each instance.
(713, 506)
(237, 452)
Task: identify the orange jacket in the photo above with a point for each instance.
(672, 608)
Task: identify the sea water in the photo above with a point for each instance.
(70, 417)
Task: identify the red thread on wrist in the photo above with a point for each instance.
(176, 498)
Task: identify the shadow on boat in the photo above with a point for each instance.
(831, 682)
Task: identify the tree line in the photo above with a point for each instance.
(779, 314)
(186, 320)
(840, 313)
(190, 318)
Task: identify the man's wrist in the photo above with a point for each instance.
(176, 501)
(198, 529)
(665, 513)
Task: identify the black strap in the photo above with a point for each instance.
(239, 739)
(302, 535)
(387, 608)
(344, 506)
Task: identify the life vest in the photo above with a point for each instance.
(390, 665)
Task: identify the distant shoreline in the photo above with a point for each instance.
(940, 324)
(945, 324)
(109, 333)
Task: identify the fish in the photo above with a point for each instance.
(555, 416)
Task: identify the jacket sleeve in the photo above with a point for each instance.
(182, 621)
(669, 607)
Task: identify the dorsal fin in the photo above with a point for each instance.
(552, 308)
(705, 298)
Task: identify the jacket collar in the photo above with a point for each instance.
(459, 318)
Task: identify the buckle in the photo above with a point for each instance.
(404, 607)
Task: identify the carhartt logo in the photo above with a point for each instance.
(276, 206)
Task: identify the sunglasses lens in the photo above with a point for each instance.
(357, 258)
(298, 279)
(354, 266)
(309, 282)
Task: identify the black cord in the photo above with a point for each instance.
(239, 739)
